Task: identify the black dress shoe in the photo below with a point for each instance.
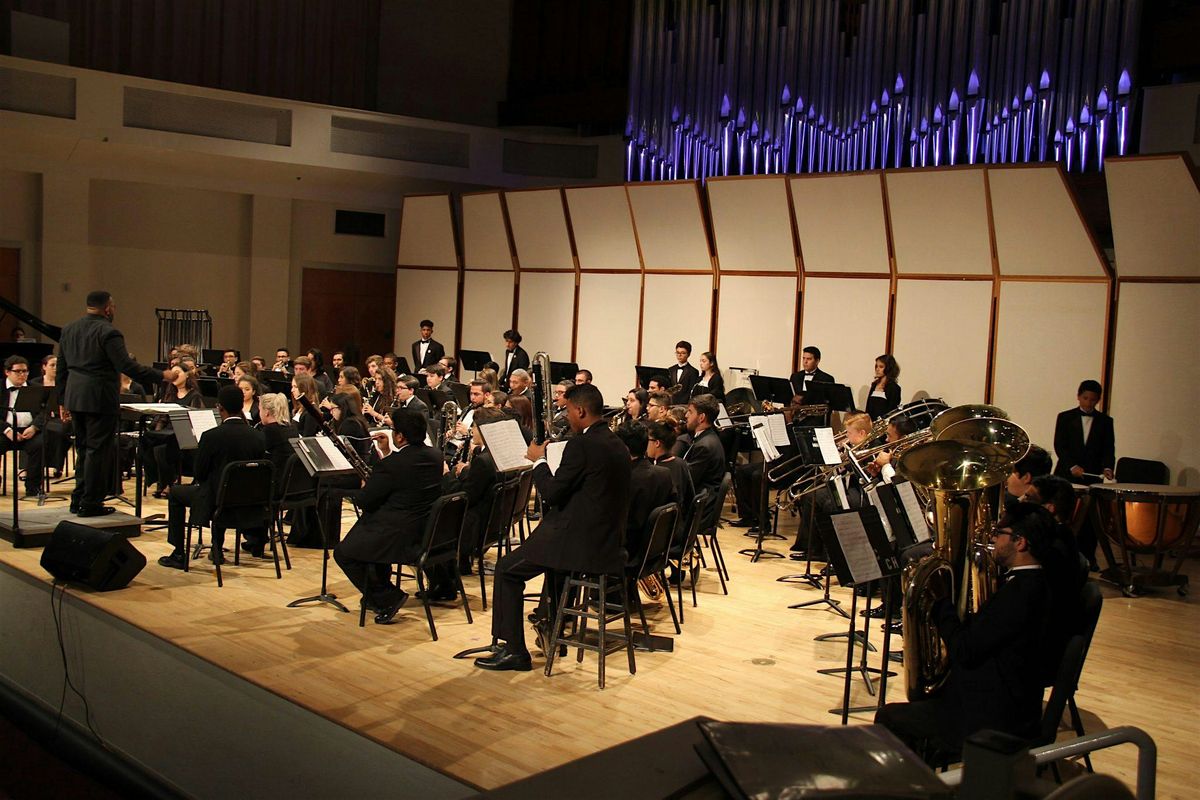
(385, 615)
(503, 661)
(95, 512)
(875, 613)
(173, 561)
(255, 549)
(742, 523)
(74, 509)
(439, 595)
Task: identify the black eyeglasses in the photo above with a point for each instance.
(18, 369)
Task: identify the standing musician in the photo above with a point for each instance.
(810, 362)
(25, 431)
(710, 381)
(884, 396)
(706, 455)
(683, 374)
(426, 351)
(587, 500)
(395, 503)
(1083, 439)
(477, 477)
(515, 357)
(232, 440)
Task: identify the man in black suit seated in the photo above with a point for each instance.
(651, 486)
(395, 504)
(1001, 658)
(810, 372)
(682, 374)
(706, 456)
(588, 505)
(1022, 474)
(406, 385)
(515, 357)
(426, 351)
(477, 478)
(232, 440)
(25, 432)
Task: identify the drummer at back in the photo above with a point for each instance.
(1083, 439)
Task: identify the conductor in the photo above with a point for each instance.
(91, 358)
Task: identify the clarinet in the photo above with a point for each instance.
(360, 466)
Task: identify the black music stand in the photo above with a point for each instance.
(563, 371)
(777, 390)
(30, 400)
(318, 462)
(767, 520)
(268, 375)
(810, 451)
(215, 357)
(474, 360)
(460, 391)
(860, 553)
(835, 395)
(645, 373)
(402, 367)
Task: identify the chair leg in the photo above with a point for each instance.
(275, 555)
(695, 601)
(579, 630)
(1077, 724)
(662, 576)
(483, 583)
(637, 598)
(718, 561)
(424, 599)
(237, 547)
(287, 559)
(603, 622)
(187, 547)
(554, 630)
(679, 588)
(628, 628)
(462, 590)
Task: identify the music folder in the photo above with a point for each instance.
(858, 547)
(904, 514)
(190, 424)
(506, 443)
(320, 456)
(563, 371)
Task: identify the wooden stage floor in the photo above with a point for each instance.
(740, 657)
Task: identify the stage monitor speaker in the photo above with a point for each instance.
(97, 558)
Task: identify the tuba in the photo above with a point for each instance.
(962, 470)
(543, 406)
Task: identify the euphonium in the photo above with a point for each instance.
(449, 414)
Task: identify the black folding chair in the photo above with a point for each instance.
(246, 491)
(660, 528)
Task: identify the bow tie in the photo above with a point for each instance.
(1083, 413)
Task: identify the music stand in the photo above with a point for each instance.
(835, 395)
(645, 373)
(402, 367)
(283, 387)
(189, 424)
(30, 400)
(209, 387)
(320, 457)
(777, 390)
(268, 375)
(474, 360)
(215, 357)
(434, 399)
(461, 393)
(808, 443)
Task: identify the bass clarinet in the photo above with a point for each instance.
(346, 450)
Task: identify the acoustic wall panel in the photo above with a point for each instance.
(608, 331)
(849, 343)
(941, 338)
(939, 222)
(1038, 229)
(1155, 210)
(674, 308)
(752, 226)
(487, 310)
(427, 232)
(669, 226)
(1031, 383)
(485, 238)
(547, 312)
(841, 224)
(603, 228)
(756, 319)
(425, 294)
(539, 227)
(1156, 377)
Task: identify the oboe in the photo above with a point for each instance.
(348, 451)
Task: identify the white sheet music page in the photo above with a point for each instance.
(762, 437)
(331, 452)
(873, 494)
(777, 423)
(827, 446)
(506, 444)
(860, 558)
(554, 454)
(151, 408)
(840, 489)
(912, 510)
(201, 420)
(723, 420)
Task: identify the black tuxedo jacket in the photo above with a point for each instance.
(433, 354)
(520, 361)
(589, 502)
(277, 439)
(91, 357)
(686, 376)
(818, 377)
(232, 440)
(706, 458)
(477, 480)
(417, 404)
(1095, 456)
(651, 486)
(39, 417)
(395, 503)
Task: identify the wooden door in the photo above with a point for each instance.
(352, 311)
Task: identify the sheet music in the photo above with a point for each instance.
(873, 494)
(762, 436)
(827, 446)
(554, 454)
(860, 557)
(840, 489)
(777, 424)
(333, 455)
(912, 510)
(506, 444)
(151, 408)
(723, 420)
(201, 420)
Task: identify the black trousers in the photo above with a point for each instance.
(373, 580)
(182, 498)
(513, 571)
(34, 454)
(96, 438)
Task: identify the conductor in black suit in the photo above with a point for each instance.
(515, 356)
(810, 372)
(682, 374)
(232, 440)
(426, 351)
(1083, 439)
(395, 504)
(91, 358)
(588, 505)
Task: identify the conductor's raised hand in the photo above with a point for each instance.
(171, 374)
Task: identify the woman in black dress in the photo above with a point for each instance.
(250, 394)
(884, 396)
(710, 381)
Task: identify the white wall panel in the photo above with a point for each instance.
(425, 294)
(841, 224)
(603, 228)
(849, 344)
(608, 331)
(939, 222)
(539, 227)
(1038, 230)
(1157, 377)
(941, 338)
(487, 310)
(547, 312)
(1034, 389)
(752, 226)
(485, 239)
(756, 319)
(669, 225)
(675, 307)
(1155, 211)
(427, 232)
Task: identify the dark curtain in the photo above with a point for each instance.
(319, 51)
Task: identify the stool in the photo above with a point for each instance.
(598, 587)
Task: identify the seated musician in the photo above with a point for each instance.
(305, 386)
(337, 362)
(277, 429)
(827, 499)
(560, 427)
(898, 427)
(656, 383)
(519, 382)
(587, 502)
(384, 398)
(309, 365)
(25, 431)
(706, 456)
(636, 403)
(259, 363)
(583, 376)
(660, 441)
(162, 459)
(1020, 478)
(677, 417)
(390, 360)
(658, 405)
(650, 486)
(477, 477)
(395, 503)
(232, 440)
(450, 364)
(435, 376)
(406, 386)
(884, 395)
(1066, 568)
(250, 390)
(283, 360)
(59, 431)
(229, 360)
(350, 376)
(1000, 658)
